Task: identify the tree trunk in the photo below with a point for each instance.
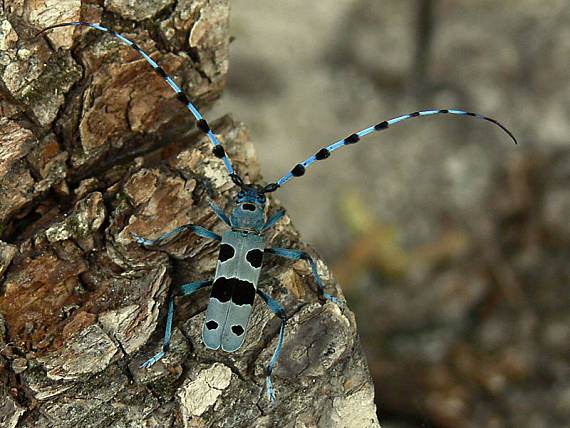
(94, 146)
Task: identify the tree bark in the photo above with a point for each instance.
(93, 147)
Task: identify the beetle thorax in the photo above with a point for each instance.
(249, 212)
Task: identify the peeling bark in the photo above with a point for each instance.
(94, 147)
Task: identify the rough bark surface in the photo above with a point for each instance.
(93, 147)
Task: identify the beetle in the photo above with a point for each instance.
(242, 248)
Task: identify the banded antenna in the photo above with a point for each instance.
(299, 169)
(201, 123)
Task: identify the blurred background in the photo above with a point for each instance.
(450, 242)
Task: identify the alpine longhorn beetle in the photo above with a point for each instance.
(243, 246)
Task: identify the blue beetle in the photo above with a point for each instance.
(237, 273)
(242, 247)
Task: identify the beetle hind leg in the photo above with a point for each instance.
(277, 310)
(184, 290)
(301, 255)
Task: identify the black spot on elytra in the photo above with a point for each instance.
(244, 293)
(237, 330)
(248, 207)
(226, 252)
(222, 289)
(239, 291)
(211, 325)
(254, 257)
